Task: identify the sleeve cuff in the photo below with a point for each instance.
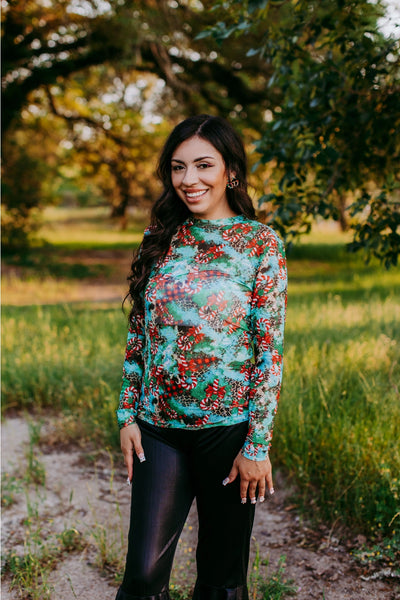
(125, 416)
(254, 451)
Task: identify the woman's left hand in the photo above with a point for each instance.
(253, 474)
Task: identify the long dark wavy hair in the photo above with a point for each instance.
(169, 211)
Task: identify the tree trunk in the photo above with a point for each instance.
(119, 208)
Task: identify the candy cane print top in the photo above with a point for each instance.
(207, 349)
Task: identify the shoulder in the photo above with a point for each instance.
(149, 229)
(262, 229)
(264, 235)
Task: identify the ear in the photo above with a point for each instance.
(230, 176)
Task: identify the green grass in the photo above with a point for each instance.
(29, 571)
(80, 228)
(338, 424)
(65, 358)
(41, 547)
(266, 584)
(339, 420)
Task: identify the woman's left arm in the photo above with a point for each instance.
(268, 319)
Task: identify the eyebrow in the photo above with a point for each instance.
(195, 160)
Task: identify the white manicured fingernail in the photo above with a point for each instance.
(261, 499)
(244, 500)
(272, 491)
(253, 500)
(128, 481)
(141, 457)
(225, 481)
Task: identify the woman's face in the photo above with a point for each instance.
(199, 178)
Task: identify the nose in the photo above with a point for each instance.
(191, 176)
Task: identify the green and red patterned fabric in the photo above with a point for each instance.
(207, 349)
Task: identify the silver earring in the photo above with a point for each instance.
(232, 183)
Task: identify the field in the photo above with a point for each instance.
(338, 425)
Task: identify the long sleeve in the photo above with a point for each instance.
(132, 372)
(268, 319)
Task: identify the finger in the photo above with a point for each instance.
(253, 492)
(232, 475)
(128, 457)
(244, 485)
(139, 451)
(270, 483)
(261, 490)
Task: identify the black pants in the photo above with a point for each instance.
(182, 465)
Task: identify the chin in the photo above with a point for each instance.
(197, 210)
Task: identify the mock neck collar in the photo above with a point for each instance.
(214, 223)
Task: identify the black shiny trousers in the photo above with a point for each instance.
(182, 465)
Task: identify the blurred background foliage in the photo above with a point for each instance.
(91, 88)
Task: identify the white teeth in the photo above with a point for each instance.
(195, 194)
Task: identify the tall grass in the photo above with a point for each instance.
(338, 425)
(67, 360)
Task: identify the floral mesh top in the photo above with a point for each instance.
(207, 349)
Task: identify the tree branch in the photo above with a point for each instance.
(71, 119)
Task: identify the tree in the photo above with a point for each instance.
(42, 43)
(334, 135)
(17, 219)
(109, 142)
(45, 42)
(315, 81)
(64, 58)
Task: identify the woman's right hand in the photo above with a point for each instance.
(131, 442)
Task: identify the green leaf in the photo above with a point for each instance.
(204, 34)
(255, 5)
(253, 51)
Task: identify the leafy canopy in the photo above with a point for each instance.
(333, 137)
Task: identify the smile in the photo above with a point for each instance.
(195, 194)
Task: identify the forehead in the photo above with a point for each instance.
(195, 147)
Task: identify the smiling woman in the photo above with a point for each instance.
(200, 178)
(202, 368)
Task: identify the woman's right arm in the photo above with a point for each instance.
(132, 372)
(130, 392)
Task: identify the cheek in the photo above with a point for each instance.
(213, 179)
(221, 182)
(175, 179)
(222, 178)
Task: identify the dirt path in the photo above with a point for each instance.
(87, 497)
